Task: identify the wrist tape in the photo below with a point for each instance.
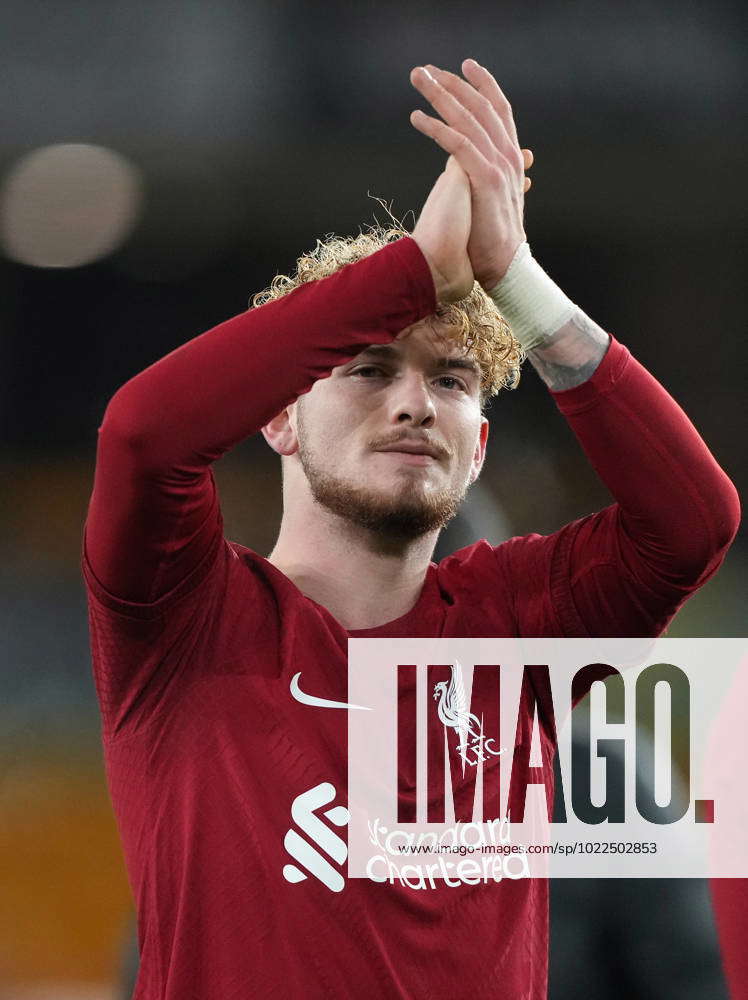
(532, 304)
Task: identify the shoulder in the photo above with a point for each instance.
(253, 585)
(258, 591)
(476, 557)
(518, 575)
(507, 558)
(471, 571)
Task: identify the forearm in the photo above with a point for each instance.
(674, 498)
(187, 409)
(572, 354)
(154, 513)
(679, 511)
(562, 343)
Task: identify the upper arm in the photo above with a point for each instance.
(144, 654)
(590, 579)
(147, 529)
(154, 561)
(619, 587)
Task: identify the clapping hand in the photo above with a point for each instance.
(477, 129)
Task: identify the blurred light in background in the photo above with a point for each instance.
(67, 205)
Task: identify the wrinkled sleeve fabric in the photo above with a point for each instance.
(627, 569)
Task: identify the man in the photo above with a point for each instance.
(221, 675)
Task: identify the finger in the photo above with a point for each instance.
(528, 157)
(478, 105)
(457, 144)
(451, 110)
(485, 84)
(528, 184)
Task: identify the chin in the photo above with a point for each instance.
(403, 503)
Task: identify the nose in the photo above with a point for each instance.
(411, 402)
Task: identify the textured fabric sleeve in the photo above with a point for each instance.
(154, 526)
(626, 570)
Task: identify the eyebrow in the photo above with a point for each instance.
(466, 364)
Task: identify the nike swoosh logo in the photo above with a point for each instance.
(309, 699)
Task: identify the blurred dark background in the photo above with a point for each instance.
(160, 162)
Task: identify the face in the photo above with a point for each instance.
(392, 440)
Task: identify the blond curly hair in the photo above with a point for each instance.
(474, 322)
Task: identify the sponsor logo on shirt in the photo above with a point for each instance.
(303, 812)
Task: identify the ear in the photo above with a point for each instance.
(480, 451)
(280, 432)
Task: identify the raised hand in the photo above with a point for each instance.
(442, 233)
(478, 130)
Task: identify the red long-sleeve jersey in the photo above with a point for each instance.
(195, 640)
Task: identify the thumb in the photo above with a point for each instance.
(456, 176)
(457, 182)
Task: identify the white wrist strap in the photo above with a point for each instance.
(532, 304)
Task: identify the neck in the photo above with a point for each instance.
(361, 577)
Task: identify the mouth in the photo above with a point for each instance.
(413, 449)
(410, 457)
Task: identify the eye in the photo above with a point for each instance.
(367, 371)
(455, 382)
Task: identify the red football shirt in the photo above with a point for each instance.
(195, 640)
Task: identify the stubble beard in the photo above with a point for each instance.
(403, 514)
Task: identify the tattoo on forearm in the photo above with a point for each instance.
(572, 354)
